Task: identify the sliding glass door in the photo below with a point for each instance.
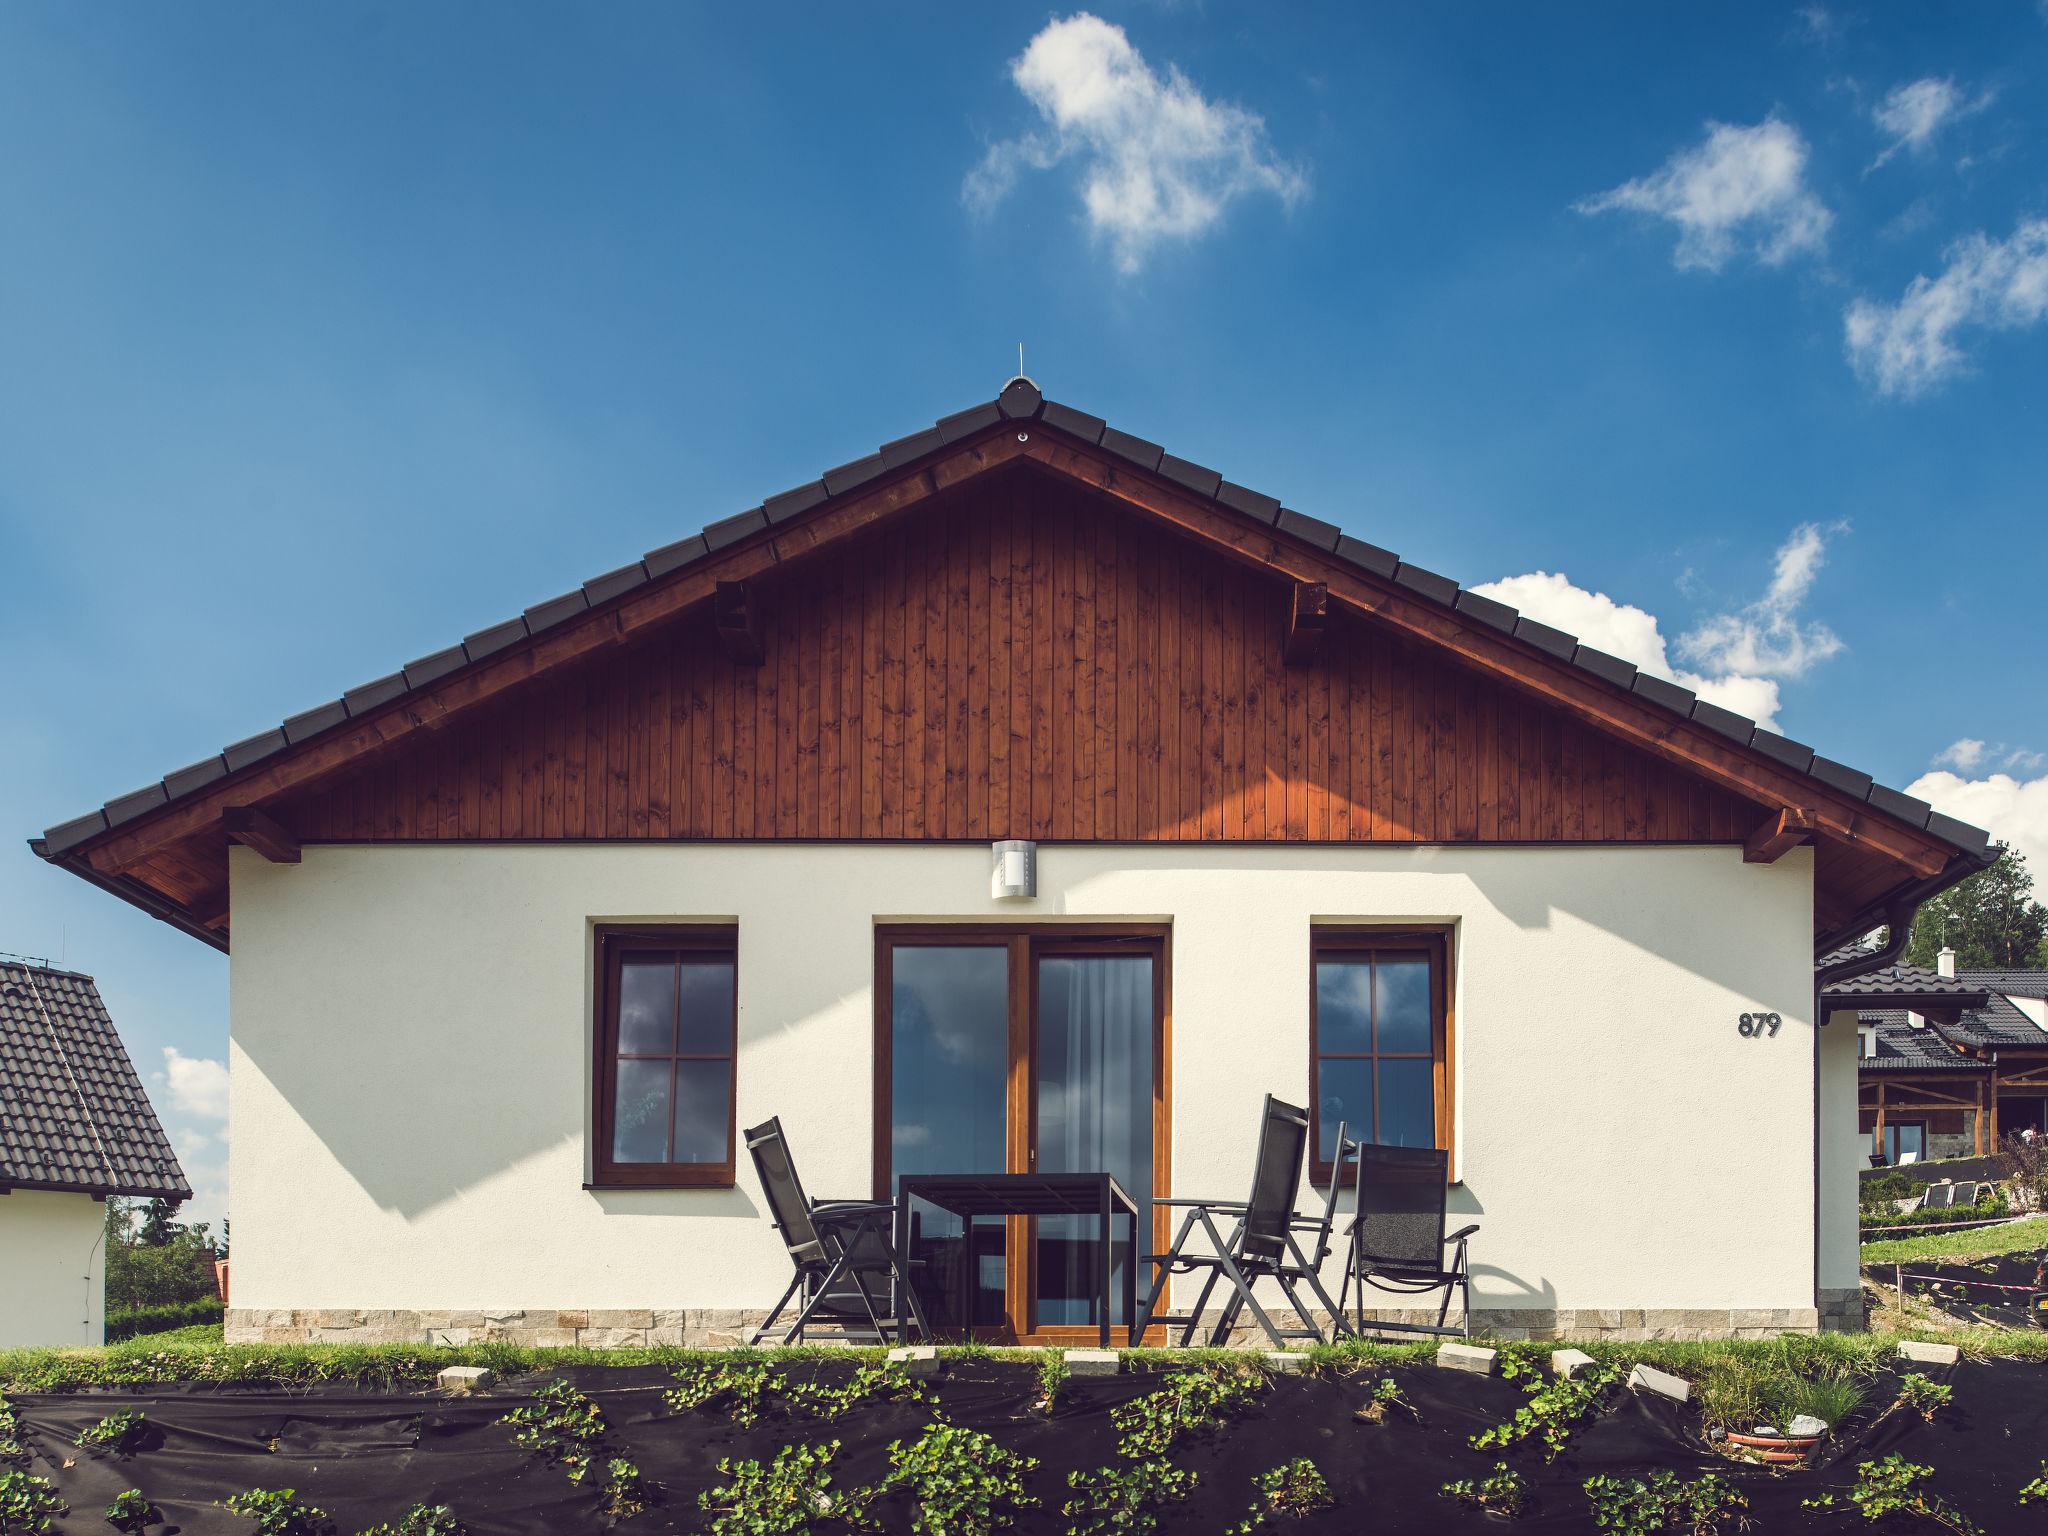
(1022, 1050)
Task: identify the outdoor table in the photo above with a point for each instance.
(968, 1195)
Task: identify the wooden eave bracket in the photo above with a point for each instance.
(738, 618)
(1778, 834)
(256, 829)
(1308, 620)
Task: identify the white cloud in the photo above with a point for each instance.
(198, 1085)
(1764, 640)
(1964, 754)
(1742, 188)
(1907, 347)
(1768, 638)
(1912, 114)
(2014, 811)
(1159, 161)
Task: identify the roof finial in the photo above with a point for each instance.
(1020, 373)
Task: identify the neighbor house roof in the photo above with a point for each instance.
(2012, 983)
(1998, 1025)
(1860, 816)
(1904, 986)
(1903, 1048)
(73, 1114)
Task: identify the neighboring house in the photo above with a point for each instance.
(523, 934)
(75, 1127)
(1949, 1062)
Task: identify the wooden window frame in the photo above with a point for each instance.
(1435, 939)
(613, 942)
(1023, 943)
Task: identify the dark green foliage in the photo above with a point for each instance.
(1989, 1207)
(116, 1432)
(1503, 1491)
(1285, 1492)
(422, 1520)
(625, 1492)
(1052, 1379)
(1924, 1395)
(11, 1448)
(1384, 1398)
(747, 1389)
(2037, 1489)
(562, 1424)
(132, 1512)
(278, 1512)
(1990, 920)
(960, 1482)
(29, 1506)
(134, 1322)
(1664, 1501)
(1891, 1486)
(1185, 1402)
(789, 1496)
(1554, 1408)
(1880, 1192)
(1126, 1500)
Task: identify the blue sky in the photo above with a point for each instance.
(328, 335)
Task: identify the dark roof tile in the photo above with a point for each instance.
(1368, 557)
(1250, 503)
(1020, 398)
(197, 776)
(1497, 615)
(1905, 807)
(313, 721)
(1618, 672)
(368, 696)
(904, 449)
(488, 642)
(732, 529)
(968, 422)
(1437, 588)
(1959, 832)
(1203, 482)
(1792, 754)
(1310, 530)
(849, 476)
(602, 589)
(1838, 776)
(131, 805)
(1074, 423)
(69, 834)
(1724, 722)
(1662, 691)
(1544, 638)
(253, 749)
(1141, 453)
(556, 609)
(673, 557)
(431, 669)
(784, 505)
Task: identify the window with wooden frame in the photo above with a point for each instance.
(666, 1035)
(1379, 1038)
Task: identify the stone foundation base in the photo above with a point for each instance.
(1841, 1310)
(715, 1328)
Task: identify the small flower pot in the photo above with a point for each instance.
(1780, 1450)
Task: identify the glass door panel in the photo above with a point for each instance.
(949, 1062)
(1092, 1085)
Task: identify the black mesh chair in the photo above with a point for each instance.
(847, 1271)
(1262, 1243)
(1397, 1239)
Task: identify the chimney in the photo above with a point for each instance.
(1945, 962)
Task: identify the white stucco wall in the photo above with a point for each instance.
(1841, 1154)
(53, 1288)
(411, 1025)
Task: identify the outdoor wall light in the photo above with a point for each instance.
(1015, 872)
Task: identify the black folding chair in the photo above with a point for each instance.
(1397, 1238)
(1261, 1245)
(842, 1251)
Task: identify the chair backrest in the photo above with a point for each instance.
(1276, 1179)
(1342, 1150)
(787, 1207)
(1401, 1193)
(1940, 1196)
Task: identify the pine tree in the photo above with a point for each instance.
(1990, 920)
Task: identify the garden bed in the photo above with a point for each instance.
(366, 1456)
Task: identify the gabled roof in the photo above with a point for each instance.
(1900, 1047)
(2009, 982)
(73, 1114)
(1900, 985)
(1901, 842)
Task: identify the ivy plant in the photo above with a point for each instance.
(746, 1390)
(562, 1424)
(116, 1432)
(29, 1506)
(1052, 1379)
(1185, 1402)
(422, 1520)
(789, 1496)
(11, 1448)
(1124, 1500)
(960, 1482)
(1384, 1398)
(1891, 1486)
(2037, 1489)
(1286, 1492)
(1503, 1491)
(278, 1512)
(1552, 1412)
(1924, 1395)
(625, 1491)
(1664, 1501)
(131, 1511)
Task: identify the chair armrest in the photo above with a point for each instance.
(1461, 1234)
(1214, 1205)
(850, 1210)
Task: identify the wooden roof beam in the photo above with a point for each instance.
(256, 829)
(1308, 620)
(1778, 834)
(738, 617)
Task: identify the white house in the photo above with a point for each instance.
(75, 1127)
(523, 934)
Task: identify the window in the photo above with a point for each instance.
(1379, 1027)
(1905, 1141)
(667, 1020)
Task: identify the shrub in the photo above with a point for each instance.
(1663, 1501)
(140, 1275)
(1288, 1491)
(134, 1322)
(1880, 1192)
(1503, 1491)
(960, 1482)
(278, 1512)
(29, 1506)
(1126, 1499)
(132, 1512)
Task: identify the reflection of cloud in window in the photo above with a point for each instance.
(911, 1135)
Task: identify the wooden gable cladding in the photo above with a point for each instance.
(1019, 658)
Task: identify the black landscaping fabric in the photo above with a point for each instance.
(1997, 1292)
(368, 1456)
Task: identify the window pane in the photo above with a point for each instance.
(1407, 1104)
(640, 1120)
(707, 1009)
(703, 1093)
(1343, 1092)
(1402, 995)
(1343, 1005)
(647, 1005)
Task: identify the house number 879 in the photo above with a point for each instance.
(1753, 1024)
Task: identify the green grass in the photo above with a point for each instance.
(1959, 1247)
(1725, 1369)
